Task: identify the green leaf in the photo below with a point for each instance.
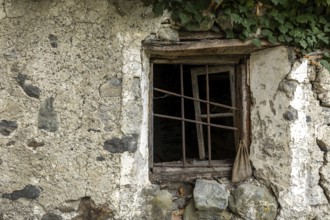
(272, 39)
(325, 64)
(158, 8)
(229, 33)
(303, 43)
(281, 39)
(266, 33)
(236, 18)
(283, 29)
(288, 39)
(256, 42)
(289, 25)
(191, 8)
(323, 38)
(184, 18)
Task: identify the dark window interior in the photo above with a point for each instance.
(167, 133)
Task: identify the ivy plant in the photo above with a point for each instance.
(301, 23)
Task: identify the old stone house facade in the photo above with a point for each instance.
(75, 121)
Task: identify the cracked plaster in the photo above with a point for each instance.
(284, 152)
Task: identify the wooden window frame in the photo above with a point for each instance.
(175, 171)
(201, 49)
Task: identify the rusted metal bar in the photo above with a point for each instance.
(208, 116)
(194, 99)
(217, 115)
(182, 118)
(193, 121)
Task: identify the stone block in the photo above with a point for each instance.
(120, 145)
(47, 119)
(162, 205)
(7, 127)
(253, 202)
(210, 195)
(28, 192)
(323, 138)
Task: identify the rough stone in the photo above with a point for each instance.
(35, 144)
(7, 127)
(30, 90)
(253, 202)
(162, 205)
(191, 213)
(322, 86)
(28, 192)
(47, 119)
(168, 34)
(112, 88)
(53, 40)
(88, 210)
(120, 145)
(288, 87)
(323, 138)
(51, 216)
(210, 195)
(291, 114)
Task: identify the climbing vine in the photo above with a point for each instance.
(301, 23)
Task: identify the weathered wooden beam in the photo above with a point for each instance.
(197, 60)
(185, 35)
(204, 47)
(165, 175)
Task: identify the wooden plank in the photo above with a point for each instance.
(233, 102)
(151, 118)
(190, 175)
(197, 108)
(196, 163)
(205, 47)
(213, 69)
(197, 60)
(185, 35)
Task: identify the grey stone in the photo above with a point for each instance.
(179, 203)
(151, 190)
(168, 34)
(253, 202)
(28, 192)
(35, 144)
(291, 114)
(7, 127)
(288, 87)
(100, 158)
(162, 205)
(47, 119)
(51, 216)
(323, 138)
(53, 40)
(30, 90)
(112, 88)
(210, 195)
(191, 213)
(120, 145)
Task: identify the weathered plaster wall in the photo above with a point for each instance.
(286, 116)
(70, 108)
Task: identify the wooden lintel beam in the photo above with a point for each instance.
(204, 47)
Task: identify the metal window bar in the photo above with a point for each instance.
(208, 116)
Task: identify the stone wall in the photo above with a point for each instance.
(288, 121)
(71, 113)
(74, 123)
